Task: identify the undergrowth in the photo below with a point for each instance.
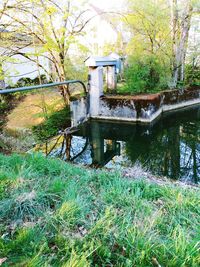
(56, 214)
(56, 121)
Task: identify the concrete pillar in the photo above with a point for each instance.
(96, 89)
(78, 110)
(97, 143)
(111, 78)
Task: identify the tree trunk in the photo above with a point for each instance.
(174, 15)
(180, 44)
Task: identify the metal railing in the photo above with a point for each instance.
(37, 87)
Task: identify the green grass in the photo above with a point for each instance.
(125, 89)
(57, 214)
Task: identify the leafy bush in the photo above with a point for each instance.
(42, 78)
(145, 75)
(192, 74)
(56, 121)
(6, 102)
(26, 81)
(23, 82)
(3, 104)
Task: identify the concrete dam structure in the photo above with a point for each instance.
(143, 108)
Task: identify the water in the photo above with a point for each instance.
(169, 147)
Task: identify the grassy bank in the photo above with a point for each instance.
(35, 117)
(57, 214)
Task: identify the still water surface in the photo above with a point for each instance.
(169, 147)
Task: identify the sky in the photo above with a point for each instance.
(103, 32)
(110, 4)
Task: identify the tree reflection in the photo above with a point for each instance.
(170, 151)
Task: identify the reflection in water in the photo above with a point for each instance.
(171, 147)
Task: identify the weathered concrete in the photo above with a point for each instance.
(96, 89)
(144, 108)
(79, 112)
(111, 78)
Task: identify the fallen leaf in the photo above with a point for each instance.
(2, 260)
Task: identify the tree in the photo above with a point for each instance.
(150, 41)
(148, 23)
(2, 55)
(53, 27)
(180, 33)
(157, 31)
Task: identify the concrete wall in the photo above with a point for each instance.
(139, 108)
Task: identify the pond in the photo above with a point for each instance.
(170, 147)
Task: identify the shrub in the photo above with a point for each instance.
(58, 120)
(26, 81)
(192, 74)
(23, 82)
(42, 78)
(145, 75)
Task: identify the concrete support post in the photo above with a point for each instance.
(96, 89)
(78, 109)
(97, 143)
(111, 78)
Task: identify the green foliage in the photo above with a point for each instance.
(3, 104)
(6, 104)
(192, 74)
(60, 215)
(144, 74)
(26, 81)
(53, 123)
(149, 46)
(148, 22)
(1, 72)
